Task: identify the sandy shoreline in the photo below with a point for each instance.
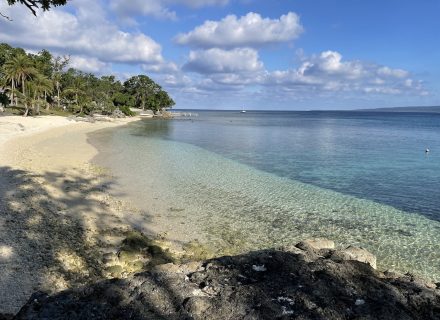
(57, 219)
(12, 127)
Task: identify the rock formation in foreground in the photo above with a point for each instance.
(309, 281)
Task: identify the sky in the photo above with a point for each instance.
(253, 54)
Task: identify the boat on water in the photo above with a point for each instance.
(243, 111)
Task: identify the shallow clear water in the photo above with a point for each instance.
(247, 181)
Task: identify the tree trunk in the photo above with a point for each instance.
(58, 94)
(37, 109)
(45, 100)
(12, 92)
(25, 101)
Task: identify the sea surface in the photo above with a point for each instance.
(239, 181)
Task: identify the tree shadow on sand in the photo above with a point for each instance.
(53, 230)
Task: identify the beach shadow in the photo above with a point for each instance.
(50, 225)
(45, 224)
(266, 284)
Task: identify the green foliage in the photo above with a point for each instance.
(163, 100)
(126, 110)
(35, 81)
(147, 93)
(34, 5)
(4, 100)
(123, 99)
(7, 53)
(43, 63)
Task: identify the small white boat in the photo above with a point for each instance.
(243, 111)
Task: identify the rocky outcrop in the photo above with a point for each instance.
(314, 282)
(316, 244)
(357, 254)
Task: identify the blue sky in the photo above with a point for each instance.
(225, 54)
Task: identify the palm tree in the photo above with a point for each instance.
(77, 89)
(10, 76)
(39, 87)
(27, 100)
(58, 64)
(4, 99)
(18, 70)
(56, 77)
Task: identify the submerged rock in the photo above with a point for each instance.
(357, 254)
(317, 244)
(303, 284)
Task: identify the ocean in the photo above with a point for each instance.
(243, 181)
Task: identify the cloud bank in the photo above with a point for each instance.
(250, 30)
(86, 32)
(223, 61)
(157, 8)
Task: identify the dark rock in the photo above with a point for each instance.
(293, 285)
(197, 306)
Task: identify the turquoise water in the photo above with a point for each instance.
(247, 181)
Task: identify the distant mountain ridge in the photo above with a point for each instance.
(432, 109)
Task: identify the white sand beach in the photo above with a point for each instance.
(56, 218)
(16, 126)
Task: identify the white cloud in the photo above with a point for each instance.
(85, 33)
(157, 8)
(388, 72)
(326, 77)
(126, 9)
(177, 80)
(165, 67)
(383, 90)
(330, 62)
(88, 64)
(200, 3)
(223, 61)
(239, 79)
(250, 30)
(328, 72)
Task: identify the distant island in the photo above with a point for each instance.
(431, 109)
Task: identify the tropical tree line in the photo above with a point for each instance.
(35, 82)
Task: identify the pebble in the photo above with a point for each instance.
(359, 302)
(261, 268)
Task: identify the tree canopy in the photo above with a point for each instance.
(30, 82)
(34, 5)
(147, 93)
